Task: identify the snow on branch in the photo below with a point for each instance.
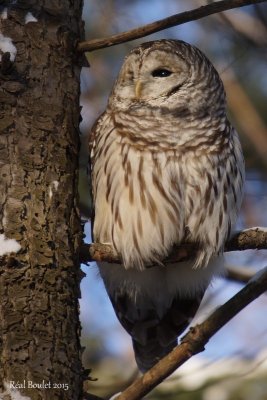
(253, 238)
(174, 20)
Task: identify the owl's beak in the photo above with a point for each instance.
(138, 89)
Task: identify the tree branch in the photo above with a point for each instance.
(194, 342)
(245, 113)
(165, 23)
(253, 238)
(239, 274)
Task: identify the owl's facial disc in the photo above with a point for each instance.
(152, 76)
(159, 75)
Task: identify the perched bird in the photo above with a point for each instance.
(166, 167)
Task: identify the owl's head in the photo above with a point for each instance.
(167, 73)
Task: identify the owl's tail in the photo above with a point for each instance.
(148, 355)
(154, 315)
(154, 338)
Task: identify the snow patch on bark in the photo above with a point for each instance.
(8, 245)
(30, 18)
(6, 45)
(53, 187)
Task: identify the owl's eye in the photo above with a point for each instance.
(161, 73)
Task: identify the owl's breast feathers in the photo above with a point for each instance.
(156, 178)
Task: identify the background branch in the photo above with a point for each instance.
(253, 238)
(165, 23)
(194, 342)
(239, 274)
(246, 114)
(244, 25)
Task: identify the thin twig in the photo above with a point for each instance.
(194, 342)
(239, 274)
(165, 23)
(254, 238)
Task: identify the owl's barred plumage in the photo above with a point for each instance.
(167, 166)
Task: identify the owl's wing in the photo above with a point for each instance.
(154, 336)
(92, 145)
(93, 137)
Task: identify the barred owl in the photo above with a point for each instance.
(166, 167)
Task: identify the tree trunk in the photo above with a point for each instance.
(39, 145)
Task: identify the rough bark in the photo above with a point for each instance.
(39, 144)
